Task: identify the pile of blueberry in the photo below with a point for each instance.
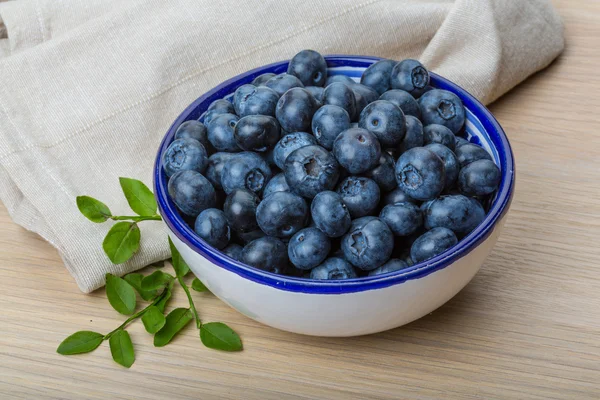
(323, 177)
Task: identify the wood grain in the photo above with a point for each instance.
(527, 326)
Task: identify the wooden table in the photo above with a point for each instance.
(527, 326)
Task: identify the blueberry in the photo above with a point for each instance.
(392, 265)
(333, 268)
(193, 130)
(469, 152)
(397, 196)
(432, 243)
(266, 253)
(256, 133)
(410, 76)
(282, 214)
(459, 141)
(368, 244)
(346, 80)
(403, 218)
(310, 67)
(216, 162)
(289, 143)
(438, 134)
(479, 178)
(404, 101)
(383, 173)
(217, 107)
(443, 108)
(378, 75)
(414, 134)
(252, 100)
(328, 122)
(240, 210)
(427, 89)
(308, 248)
(191, 192)
(246, 170)
(220, 132)
(247, 237)
(458, 213)
(360, 195)
(316, 91)
(341, 95)
(310, 170)
(234, 251)
(451, 165)
(185, 154)
(290, 270)
(283, 82)
(363, 95)
(420, 173)
(295, 110)
(269, 158)
(276, 184)
(357, 150)
(211, 225)
(330, 214)
(262, 79)
(386, 121)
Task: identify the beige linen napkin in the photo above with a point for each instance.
(89, 87)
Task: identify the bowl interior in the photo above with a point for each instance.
(481, 128)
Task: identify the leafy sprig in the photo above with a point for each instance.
(120, 244)
(122, 240)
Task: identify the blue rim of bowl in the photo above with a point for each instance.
(181, 230)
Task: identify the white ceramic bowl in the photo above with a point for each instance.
(355, 306)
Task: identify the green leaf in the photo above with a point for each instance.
(217, 335)
(156, 280)
(153, 319)
(121, 348)
(135, 280)
(121, 295)
(176, 321)
(162, 303)
(179, 265)
(140, 198)
(94, 210)
(80, 342)
(121, 242)
(198, 286)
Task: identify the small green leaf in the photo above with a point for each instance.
(176, 321)
(217, 335)
(153, 319)
(162, 303)
(179, 265)
(80, 342)
(198, 286)
(120, 294)
(156, 280)
(121, 242)
(94, 210)
(140, 198)
(135, 280)
(121, 348)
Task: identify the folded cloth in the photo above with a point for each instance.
(89, 87)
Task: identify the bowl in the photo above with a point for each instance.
(355, 306)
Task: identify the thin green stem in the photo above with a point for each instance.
(189, 296)
(136, 218)
(136, 315)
